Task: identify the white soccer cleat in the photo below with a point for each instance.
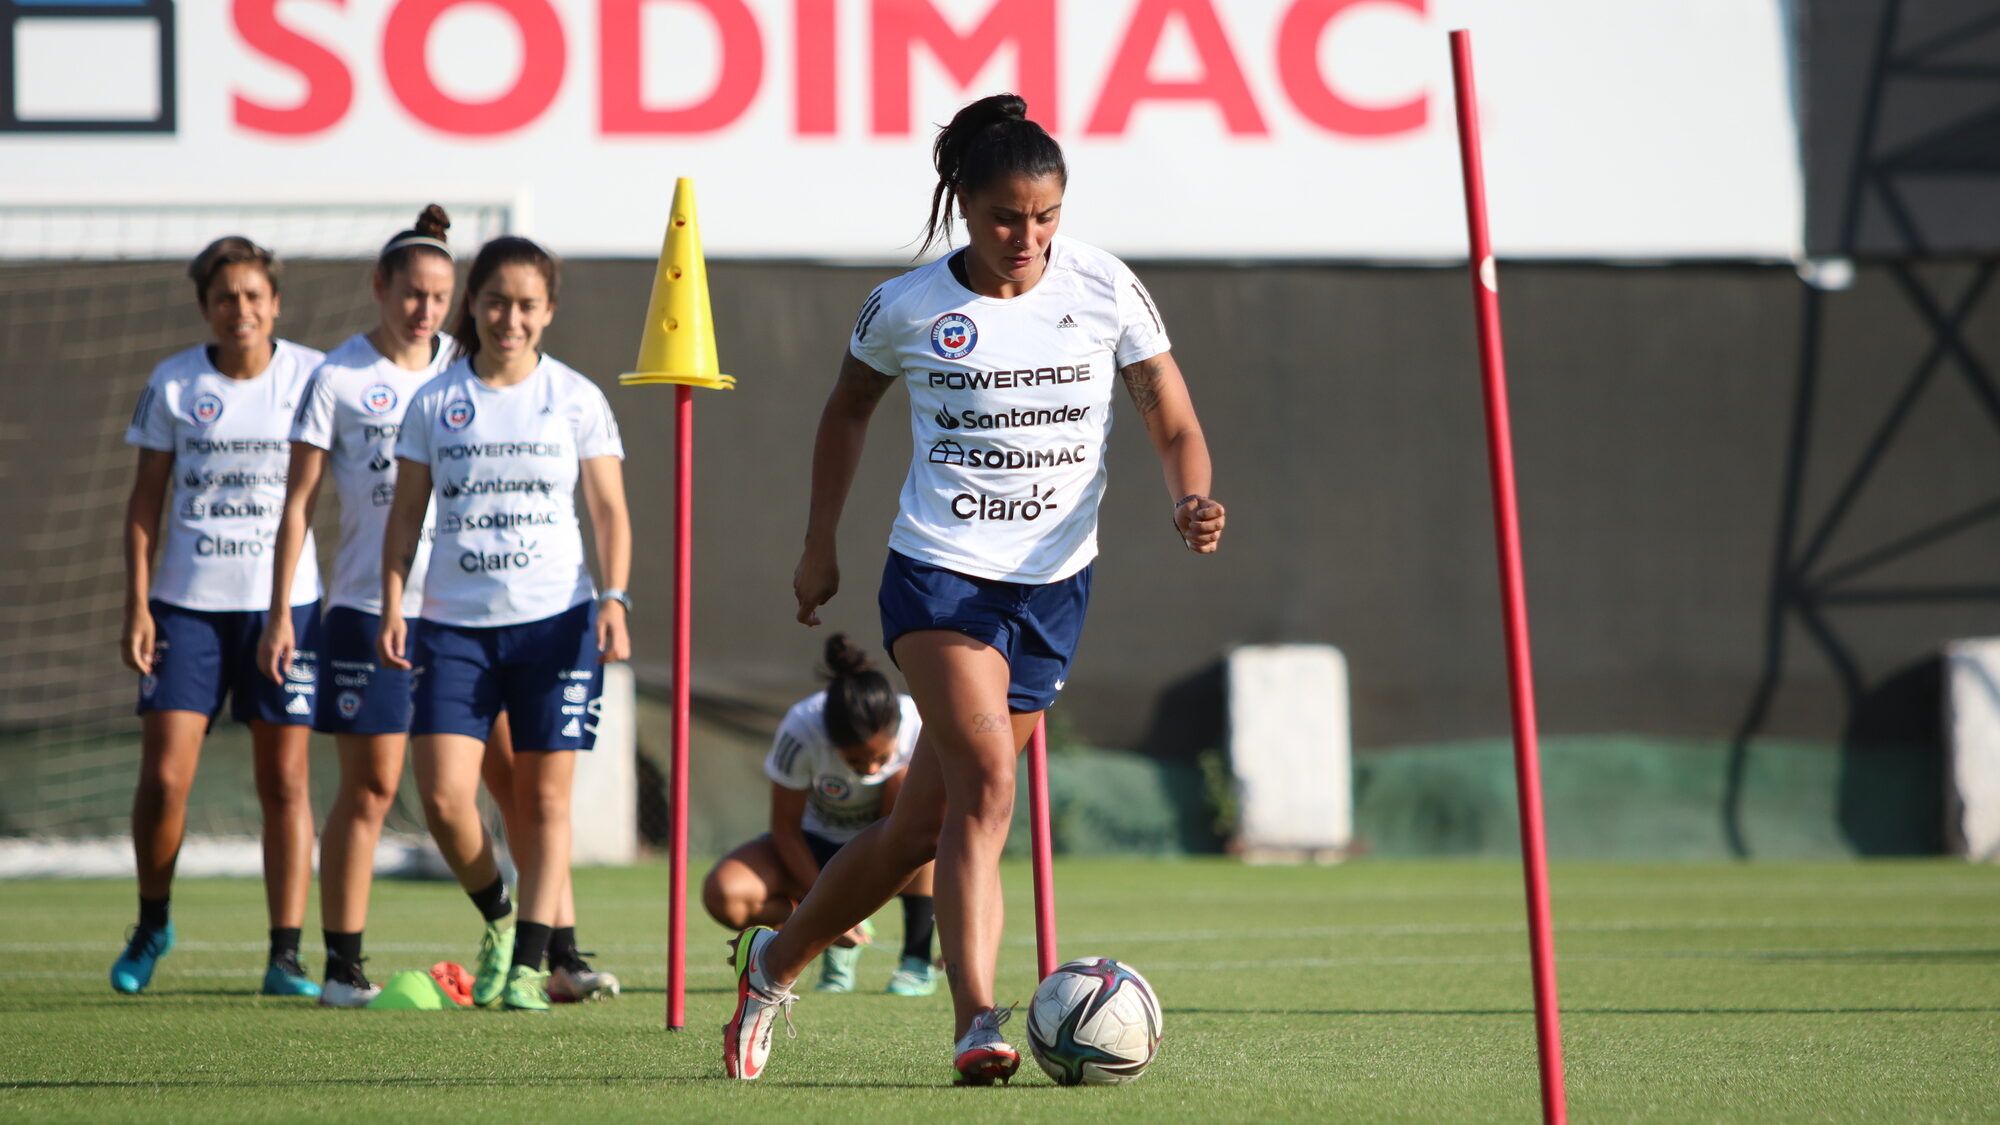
(577, 985)
(983, 1055)
(342, 994)
(746, 1038)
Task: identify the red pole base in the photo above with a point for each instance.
(1043, 851)
(1513, 593)
(683, 631)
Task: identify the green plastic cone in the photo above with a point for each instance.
(411, 991)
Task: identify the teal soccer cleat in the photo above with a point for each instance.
(836, 972)
(133, 970)
(284, 976)
(916, 977)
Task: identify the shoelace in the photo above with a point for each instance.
(784, 998)
(289, 964)
(140, 941)
(349, 972)
(992, 1018)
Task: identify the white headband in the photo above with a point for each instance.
(416, 240)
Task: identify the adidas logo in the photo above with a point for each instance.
(548, 410)
(1067, 321)
(572, 729)
(298, 706)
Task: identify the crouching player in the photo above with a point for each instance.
(836, 767)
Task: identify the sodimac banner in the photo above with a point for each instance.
(1633, 129)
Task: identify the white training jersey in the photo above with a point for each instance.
(353, 409)
(1010, 406)
(504, 469)
(839, 802)
(231, 454)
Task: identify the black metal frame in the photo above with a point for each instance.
(1805, 586)
(13, 12)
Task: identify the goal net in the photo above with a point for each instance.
(91, 297)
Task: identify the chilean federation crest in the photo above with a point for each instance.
(458, 414)
(379, 399)
(953, 335)
(206, 408)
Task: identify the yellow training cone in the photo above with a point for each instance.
(679, 344)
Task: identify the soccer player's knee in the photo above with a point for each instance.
(160, 790)
(444, 805)
(160, 785)
(543, 807)
(283, 788)
(733, 897)
(373, 796)
(991, 808)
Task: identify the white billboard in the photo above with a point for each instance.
(1194, 128)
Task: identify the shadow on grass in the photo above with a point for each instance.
(167, 995)
(1572, 1011)
(434, 1082)
(1888, 956)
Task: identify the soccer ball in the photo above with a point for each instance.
(1094, 1022)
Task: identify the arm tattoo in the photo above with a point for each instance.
(987, 724)
(1142, 382)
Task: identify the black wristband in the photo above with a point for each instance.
(1190, 496)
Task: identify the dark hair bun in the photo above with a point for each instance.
(844, 658)
(432, 223)
(991, 108)
(860, 700)
(985, 141)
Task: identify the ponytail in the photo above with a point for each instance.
(425, 236)
(986, 140)
(860, 701)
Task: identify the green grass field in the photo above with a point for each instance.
(1374, 992)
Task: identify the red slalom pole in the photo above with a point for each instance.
(1042, 849)
(683, 631)
(678, 347)
(1513, 593)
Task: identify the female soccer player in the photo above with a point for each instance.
(348, 418)
(1007, 347)
(211, 428)
(836, 767)
(511, 620)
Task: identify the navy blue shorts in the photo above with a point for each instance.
(201, 657)
(823, 849)
(544, 674)
(358, 695)
(1034, 627)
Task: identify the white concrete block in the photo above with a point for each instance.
(1289, 749)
